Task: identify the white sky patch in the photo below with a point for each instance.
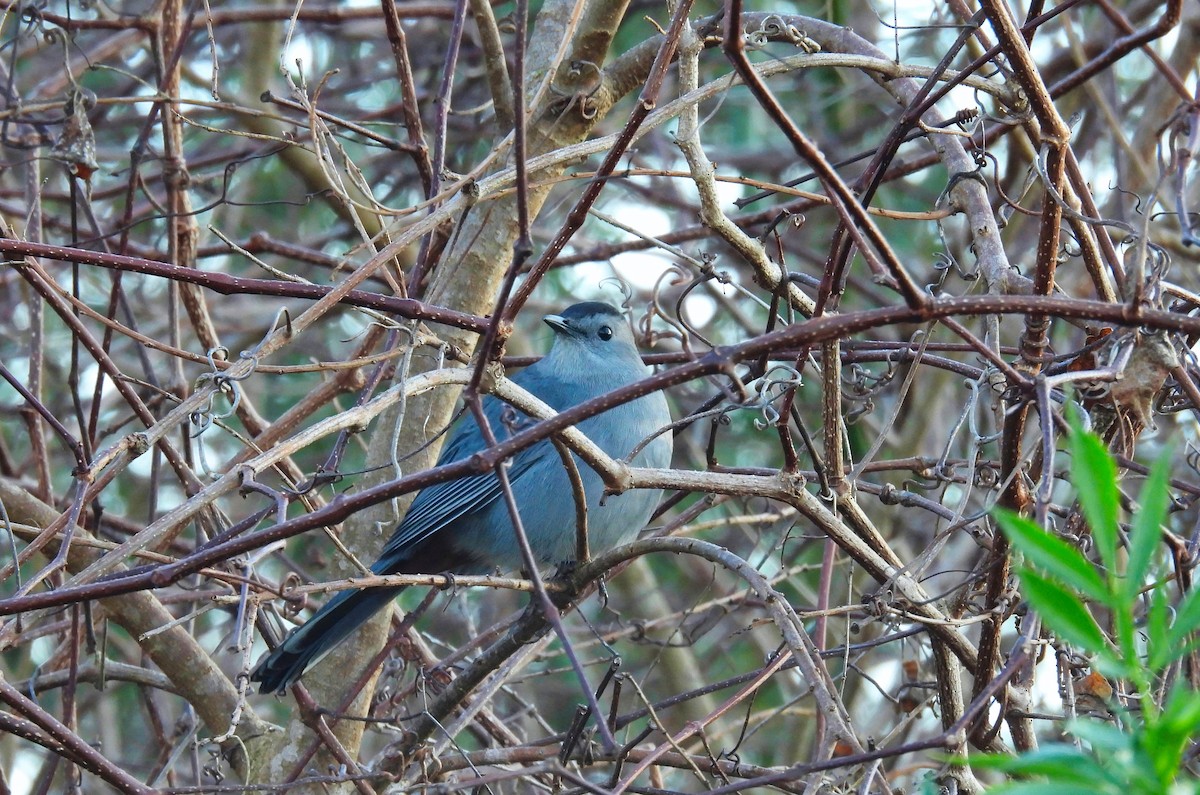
(728, 193)
(298, 54)
(645, 218)
(700, 309)
(642, 270)
(25, 767)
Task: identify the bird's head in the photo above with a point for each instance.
(594, 335)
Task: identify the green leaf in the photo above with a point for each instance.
(1095, 478)
(1114, 666)
(1101, 736)
(1054, 556)
(1187, 619)
(1055, 761)
(1063, 612)
(1050, 788)
(1162, 741)
(1160, 651)
(1181, 716)
(1146, 534)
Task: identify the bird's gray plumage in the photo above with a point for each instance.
(463, 526)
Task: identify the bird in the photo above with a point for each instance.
(464, 527)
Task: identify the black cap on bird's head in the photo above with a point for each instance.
(593, 334)
(588, 320)
(582, 310)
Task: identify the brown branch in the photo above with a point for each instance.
(226, 284)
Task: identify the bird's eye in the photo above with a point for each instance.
(605, 333)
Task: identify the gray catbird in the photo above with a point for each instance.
(463, 526)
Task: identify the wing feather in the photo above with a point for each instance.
(441, 505)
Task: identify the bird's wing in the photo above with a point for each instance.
(440, 505)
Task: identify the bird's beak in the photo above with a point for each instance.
(558, 323)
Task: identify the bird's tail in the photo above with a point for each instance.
(329, 626)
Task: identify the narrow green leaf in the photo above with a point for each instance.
(1146, 534)
(1124, 634)
(1114, 666)
(1094, 476)
(1160, 651)
(1057, 761)
(1161, 748)
(1050, 788)
(1054, 556)
(1103, 737)
(1187, 619)
(1181, 717)
(1063, 612)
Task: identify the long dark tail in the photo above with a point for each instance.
(328, 627)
